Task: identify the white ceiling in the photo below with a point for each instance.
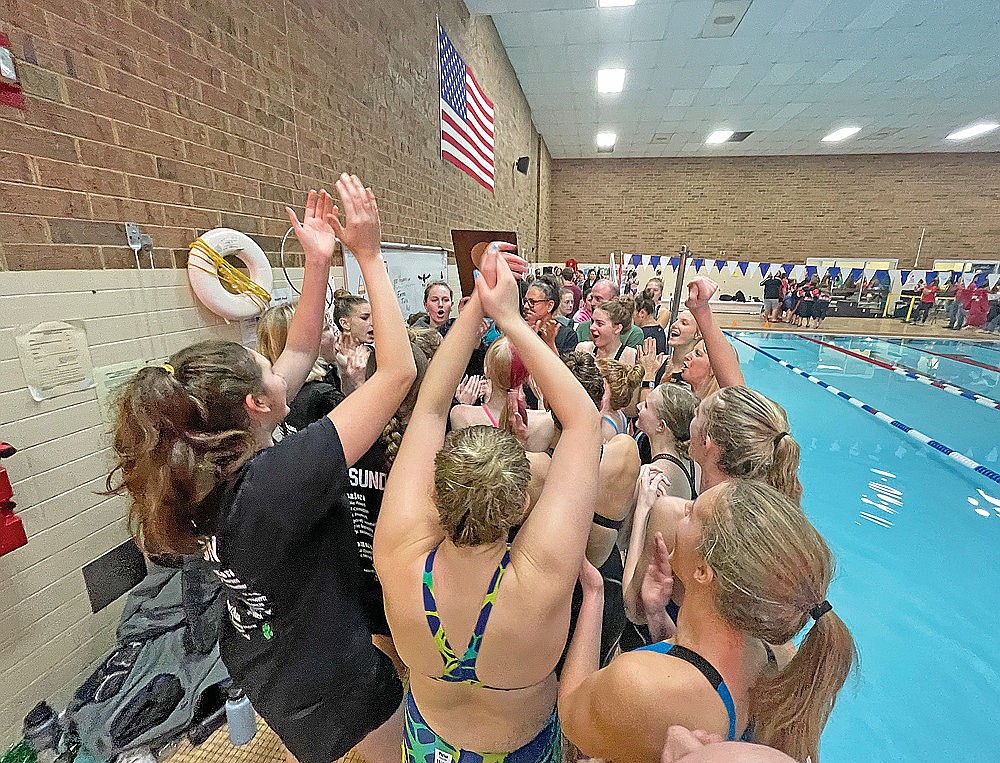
(794, 71)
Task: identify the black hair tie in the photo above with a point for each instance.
(820, 609)
(780, 435)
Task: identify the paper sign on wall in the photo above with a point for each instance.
(109, 379)
(410, 270)
(55, 359)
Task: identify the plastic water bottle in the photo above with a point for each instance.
(42, 731)
(240, 716)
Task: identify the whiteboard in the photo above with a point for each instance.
(410, 268)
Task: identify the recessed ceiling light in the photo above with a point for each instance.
(614, 3)
(606, 139)
(841, 134)
(973, 131)
(719, 136)
(610, 80)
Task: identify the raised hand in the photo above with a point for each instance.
(547, 328)
(652, 484)
(497, 288)
(517, 264)
(519, 415)
(362, 229)
(317, 233)
(658, 583)
(354, 366)
(648, 358)
(468, 390)
(700, 290)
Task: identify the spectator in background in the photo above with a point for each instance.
(569, 282)
(564, 314)
(959, 307)
(772, 296)
(539, 307)
(927, 296)
(600, 291)
(643, 318)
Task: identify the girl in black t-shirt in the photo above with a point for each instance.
(193, 449)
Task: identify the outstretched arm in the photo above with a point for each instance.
(363, 415)
(408, 516)
(317, 236)
(725, 361)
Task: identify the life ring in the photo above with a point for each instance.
(204, 273)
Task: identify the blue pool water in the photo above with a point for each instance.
(917, 538)
(969, 364)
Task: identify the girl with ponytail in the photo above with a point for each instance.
(507, 375)
(193, 450)
(755, 572)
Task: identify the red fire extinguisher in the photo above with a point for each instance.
(12, 533)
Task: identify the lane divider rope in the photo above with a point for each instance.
(907, 430)
(911, 373)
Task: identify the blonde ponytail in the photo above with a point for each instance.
(772, 570)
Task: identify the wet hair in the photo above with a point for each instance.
(751, 431)
(343, 307)
(481, 477)
(548, 285)
(584, 368)
(395, 428)
(676, 409)
(618, 311)
(506, 371)
(644, 302)
(428, 340)
(770, 569)
(622, 380)
(432, 284)
(568, 274)
(177, 435)
(272, 336)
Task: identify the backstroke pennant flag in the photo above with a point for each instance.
(466, 116)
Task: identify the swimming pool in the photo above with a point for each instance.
(916, 535)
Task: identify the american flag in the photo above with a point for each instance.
(466, 116)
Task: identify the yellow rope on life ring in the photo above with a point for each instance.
(230, 275)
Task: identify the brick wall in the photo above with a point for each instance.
(182, 115)
(782, 208)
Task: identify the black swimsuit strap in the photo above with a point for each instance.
(618, 354)
(704, 666)
(611, 524)
(680, 465)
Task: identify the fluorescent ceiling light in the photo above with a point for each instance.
(841, 134)
(614, 3)
(610, 80)
(606, 139)
(973, 131)
(719, 136)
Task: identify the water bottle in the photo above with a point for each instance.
(240, 716)
(42, 731)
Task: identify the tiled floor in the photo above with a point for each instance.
(265, 748)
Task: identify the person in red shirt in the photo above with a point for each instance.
(927, 297)
(959, 309)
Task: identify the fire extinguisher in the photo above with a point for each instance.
(12, 533)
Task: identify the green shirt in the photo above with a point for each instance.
(631, 338)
